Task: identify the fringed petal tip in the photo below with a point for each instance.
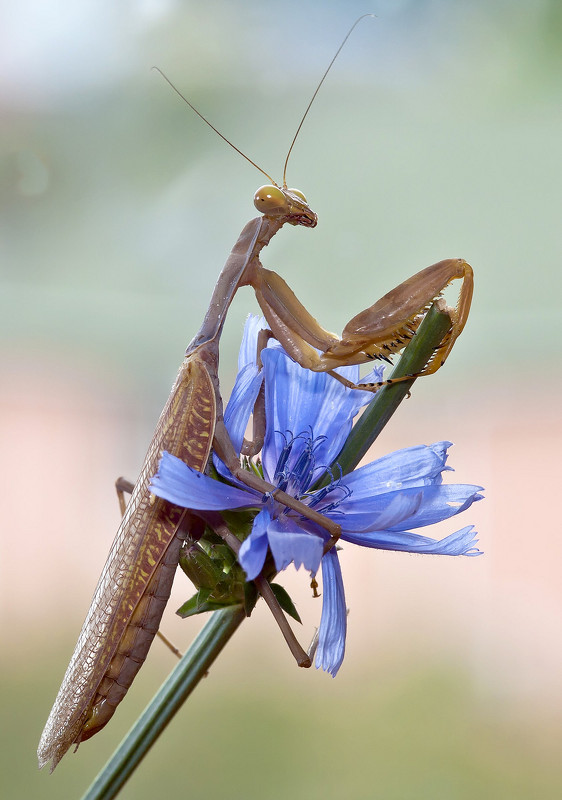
(328, 668)
(295, 546)
(461, 543)
(333, 623)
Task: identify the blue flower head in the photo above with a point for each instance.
(309, 416)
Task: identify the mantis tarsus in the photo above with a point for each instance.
(136, 581)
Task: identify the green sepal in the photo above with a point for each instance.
(200, 604)
(205, 563)
(284, 600)
(212, 567)
(240, 522)
(250, 597)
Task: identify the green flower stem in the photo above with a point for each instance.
(170, 697)
(414, 358)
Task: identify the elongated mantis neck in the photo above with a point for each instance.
(254, 237)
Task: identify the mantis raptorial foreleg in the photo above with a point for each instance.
(377, 332)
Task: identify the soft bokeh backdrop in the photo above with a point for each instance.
(437, 134)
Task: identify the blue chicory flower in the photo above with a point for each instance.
(308, 418)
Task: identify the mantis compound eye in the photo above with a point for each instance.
(276, 202)
(299, 194)
(270, 200)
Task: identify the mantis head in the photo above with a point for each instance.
(273, 201)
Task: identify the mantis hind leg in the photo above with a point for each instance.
(123, 487)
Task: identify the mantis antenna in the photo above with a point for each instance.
(322, 79)
(206, 121)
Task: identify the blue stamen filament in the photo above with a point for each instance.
(297, 480)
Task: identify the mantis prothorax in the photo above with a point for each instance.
(136, 581)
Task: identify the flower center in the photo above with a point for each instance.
(296, 472)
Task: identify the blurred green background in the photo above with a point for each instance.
(437, 134)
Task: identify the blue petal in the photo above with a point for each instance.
(412, 466)
(290, 543)
(253, 551)
(241, 403)
(244, 394)
(186, 487)
(299, 400)
(461, 543)
(442, 502)
(351, 372)
(413, 507)
(374, 376)
(381, 512)
(333, 623)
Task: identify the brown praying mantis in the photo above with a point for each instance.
(136, 580)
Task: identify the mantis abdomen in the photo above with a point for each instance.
(137, 578)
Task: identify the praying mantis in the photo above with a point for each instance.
(136, 580)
